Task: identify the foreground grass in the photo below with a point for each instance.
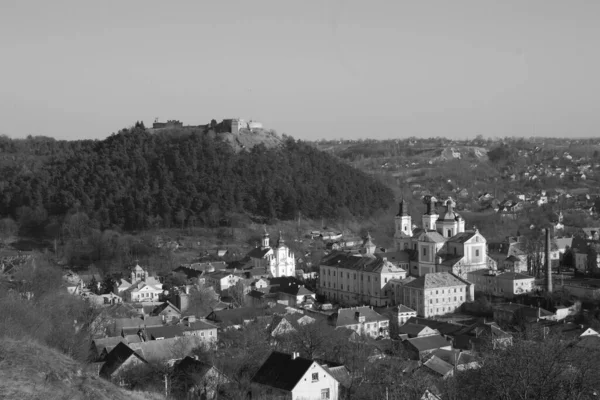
(29, 370)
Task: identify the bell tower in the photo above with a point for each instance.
(265, 240)
(431, 216)
(403, 220)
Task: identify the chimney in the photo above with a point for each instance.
(548, 263)
(295, 355)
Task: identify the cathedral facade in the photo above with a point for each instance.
(278, 261)
(441, 244)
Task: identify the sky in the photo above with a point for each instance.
(313, 69)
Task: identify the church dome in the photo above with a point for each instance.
(450, 215)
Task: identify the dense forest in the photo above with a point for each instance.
(137, 180)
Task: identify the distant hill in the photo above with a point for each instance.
(136, 179)
(29, 370)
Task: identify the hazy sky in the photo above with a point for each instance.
(311, 68)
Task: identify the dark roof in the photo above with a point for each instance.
(428, 342)
(165, 332)
(403, 309)
(438, 366)
(445, 328)
(454, 357)
(462, 237)
(358, 263)
(346, 316)
(164, 306)
(411, 329)
(280, 371)
(437, 280)
(258, 252)
(192, 368)
(117, 356)
(235, 316)
(513, 276)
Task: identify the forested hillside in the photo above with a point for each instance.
(137, 180)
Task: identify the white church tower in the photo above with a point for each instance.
(403, 231)
(430, 217)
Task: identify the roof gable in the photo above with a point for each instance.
(282, 372)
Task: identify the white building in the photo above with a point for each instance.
(289, 376)
(437, 294)
(364, 321)
(278, 261)
(143, 287)
(357, 279)
(506, 284)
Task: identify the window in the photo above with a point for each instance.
(477, 253)
(385, 280)
(368, 279)
(430, 301)
(324, 394)
(455, 251)
(348, 275)
(454, 298)
(315, 377)
(354, 276)
(449, 232)
(424, 251)
(460, 298)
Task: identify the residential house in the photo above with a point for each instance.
(167, 350)
(511, 313)
(120, 359)
(480, 335)
(221, 281)
(437, 294)
(196, 378)
(292, 377)
(363, 320)
(461, 360)
(401, 314)
(416, 330)
(443, 327)
(501, 284)
(419, 347)
(162, 332)
(201, 328)
(438, 367)
(236, 317)
(128, 326)
(288, 323)
(167, 311)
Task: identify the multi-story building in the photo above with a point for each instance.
(357, 279)
(505, 284)
(437, 293)
(442, 244)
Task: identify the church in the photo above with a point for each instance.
(277, 261)
(442, 244)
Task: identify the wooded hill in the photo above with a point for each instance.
(138, 180)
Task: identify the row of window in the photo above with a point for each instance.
(443, 298)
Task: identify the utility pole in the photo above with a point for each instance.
(166, 387)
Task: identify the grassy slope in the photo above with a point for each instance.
(30, 371)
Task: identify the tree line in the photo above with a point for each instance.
(137, 180)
